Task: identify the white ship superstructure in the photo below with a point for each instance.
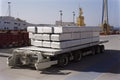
(11, 23)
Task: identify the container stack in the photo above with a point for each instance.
(62, 37)
(13, 38)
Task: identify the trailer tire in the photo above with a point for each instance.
(93, 50)
(102, 49)
(63, 60)
(97, 49)
(77, 56)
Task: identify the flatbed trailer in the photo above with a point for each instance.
(42, 58)
(57, 46)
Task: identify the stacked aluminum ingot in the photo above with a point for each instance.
(62, 37)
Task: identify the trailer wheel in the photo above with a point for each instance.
(77, 56)
(63, 60)
(102, 48)
(93, 50)
(98, 49)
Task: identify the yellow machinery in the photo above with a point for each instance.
(105, 28)
(80, 18)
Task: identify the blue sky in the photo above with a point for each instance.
(47, 11)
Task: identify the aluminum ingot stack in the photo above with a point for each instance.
(62, 37)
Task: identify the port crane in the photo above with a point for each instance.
(105, 22)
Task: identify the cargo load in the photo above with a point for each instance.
(62, 37)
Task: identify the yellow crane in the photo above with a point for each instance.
(80, 18)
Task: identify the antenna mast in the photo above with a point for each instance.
(9, 8)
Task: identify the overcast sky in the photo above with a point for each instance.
(47, 11)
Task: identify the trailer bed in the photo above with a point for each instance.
(52, 51)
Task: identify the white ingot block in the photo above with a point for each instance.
(59, 45)
(86, 34)
(72, 29)
(65, 44)
(31, 35)
(69, 29)
(73, 43)
(37, 43)
(31, 29)
(77, 42)
(47, 29)
(82, 29)
(46, 44)
(90, 29)
(75, 35)
(61, 29)
(96, 34)
(91, 34)
(61, 37)
(87, 40)
(75, 29)
(38, 36)
(94, 39)
(46, 37)
(86, 29)
(82, 41)
(32, 41)
(83, 35)
(97, 29)
(39, 29)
